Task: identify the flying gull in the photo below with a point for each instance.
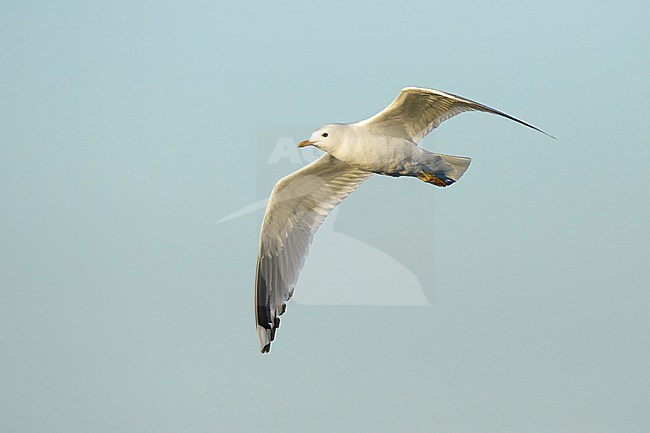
(386, 143)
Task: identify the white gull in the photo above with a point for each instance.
(387, 144)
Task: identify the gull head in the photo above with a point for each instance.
(326, 138)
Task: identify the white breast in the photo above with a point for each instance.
(365, 149)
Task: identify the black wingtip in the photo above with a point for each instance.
(543, 132)
(525, 124)
(528, 125)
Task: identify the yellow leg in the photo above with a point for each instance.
(429, 178)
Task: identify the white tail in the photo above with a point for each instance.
(458, 163)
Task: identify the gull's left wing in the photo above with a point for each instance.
(416, 112)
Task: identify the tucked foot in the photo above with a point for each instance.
(427, 177)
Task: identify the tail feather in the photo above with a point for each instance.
(459, 165)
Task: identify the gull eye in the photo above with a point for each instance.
(325, 134)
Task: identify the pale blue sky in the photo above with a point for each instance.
(128, 128)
